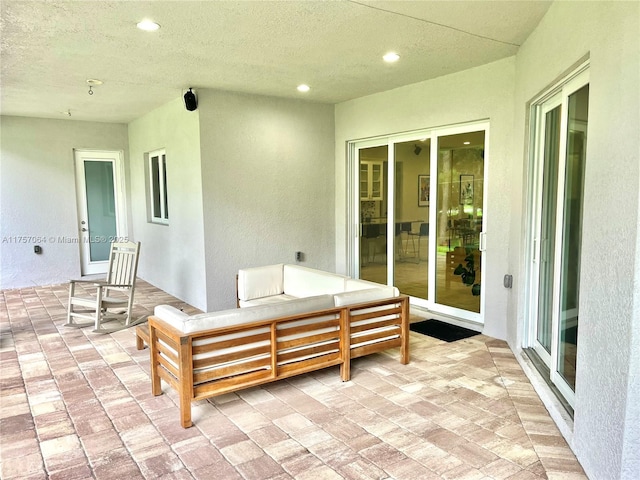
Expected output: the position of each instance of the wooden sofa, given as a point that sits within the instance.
(211, 354)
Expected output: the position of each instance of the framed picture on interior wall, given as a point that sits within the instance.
(466, 189)
(423, 190)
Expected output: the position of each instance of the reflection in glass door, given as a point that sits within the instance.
(559, 154)
(460, 179)
(372, 204)
(411, 219)
(578, 106)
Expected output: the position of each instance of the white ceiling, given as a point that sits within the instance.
(50, 49)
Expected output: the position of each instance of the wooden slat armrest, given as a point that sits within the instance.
(88, 282)
(101, 283)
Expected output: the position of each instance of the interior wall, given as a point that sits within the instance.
(171, 256)
(480, 93)
(267, 171)
(605, 435)
(38, 195)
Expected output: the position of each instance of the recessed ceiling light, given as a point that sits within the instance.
(148, 26)
(391, 57)
(303, 88)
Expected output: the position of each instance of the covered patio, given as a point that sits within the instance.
(78, 405)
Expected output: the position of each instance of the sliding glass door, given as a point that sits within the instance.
(419, 208)
(559, 134)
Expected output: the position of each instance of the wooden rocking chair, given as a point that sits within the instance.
(115, 293)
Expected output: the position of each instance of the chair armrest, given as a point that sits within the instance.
(100, 283)
(94, 282)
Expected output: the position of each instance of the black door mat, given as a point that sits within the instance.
(442, 330)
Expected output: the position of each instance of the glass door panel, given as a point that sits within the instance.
(459, 196)
(101, 207)
(572, 234)
(372, 164)
(411, 219)
(547, 228)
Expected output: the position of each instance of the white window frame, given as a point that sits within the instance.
(161, 217)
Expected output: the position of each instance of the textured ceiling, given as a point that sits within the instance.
(50, 48)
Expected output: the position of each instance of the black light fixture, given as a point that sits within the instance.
(417, 150)
(190, 101)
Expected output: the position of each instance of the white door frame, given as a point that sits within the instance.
(116, 159)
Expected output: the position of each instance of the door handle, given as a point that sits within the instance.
(482, 243)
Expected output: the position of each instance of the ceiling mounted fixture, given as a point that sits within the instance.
(148, 26)
(303, 88)
(467, 143)
(391, 57)
(92, 82)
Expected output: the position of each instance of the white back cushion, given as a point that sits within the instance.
(258, 282)
(306, 282)
(238, 316)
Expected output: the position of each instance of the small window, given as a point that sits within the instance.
(159, 207)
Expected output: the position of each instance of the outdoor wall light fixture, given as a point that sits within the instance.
(417, 149)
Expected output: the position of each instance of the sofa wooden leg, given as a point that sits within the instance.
(156, 387)
(345, 371)
(142, 336)
(185, 414)
(404, 346)
(185, 367)
(345, 345)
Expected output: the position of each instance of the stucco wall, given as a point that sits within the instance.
(267, 172)
(171, 256)
(484, 92)
(38, 195)
(605, 436)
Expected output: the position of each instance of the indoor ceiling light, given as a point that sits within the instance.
(391, 57)
(303, 88)
(148, 26)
